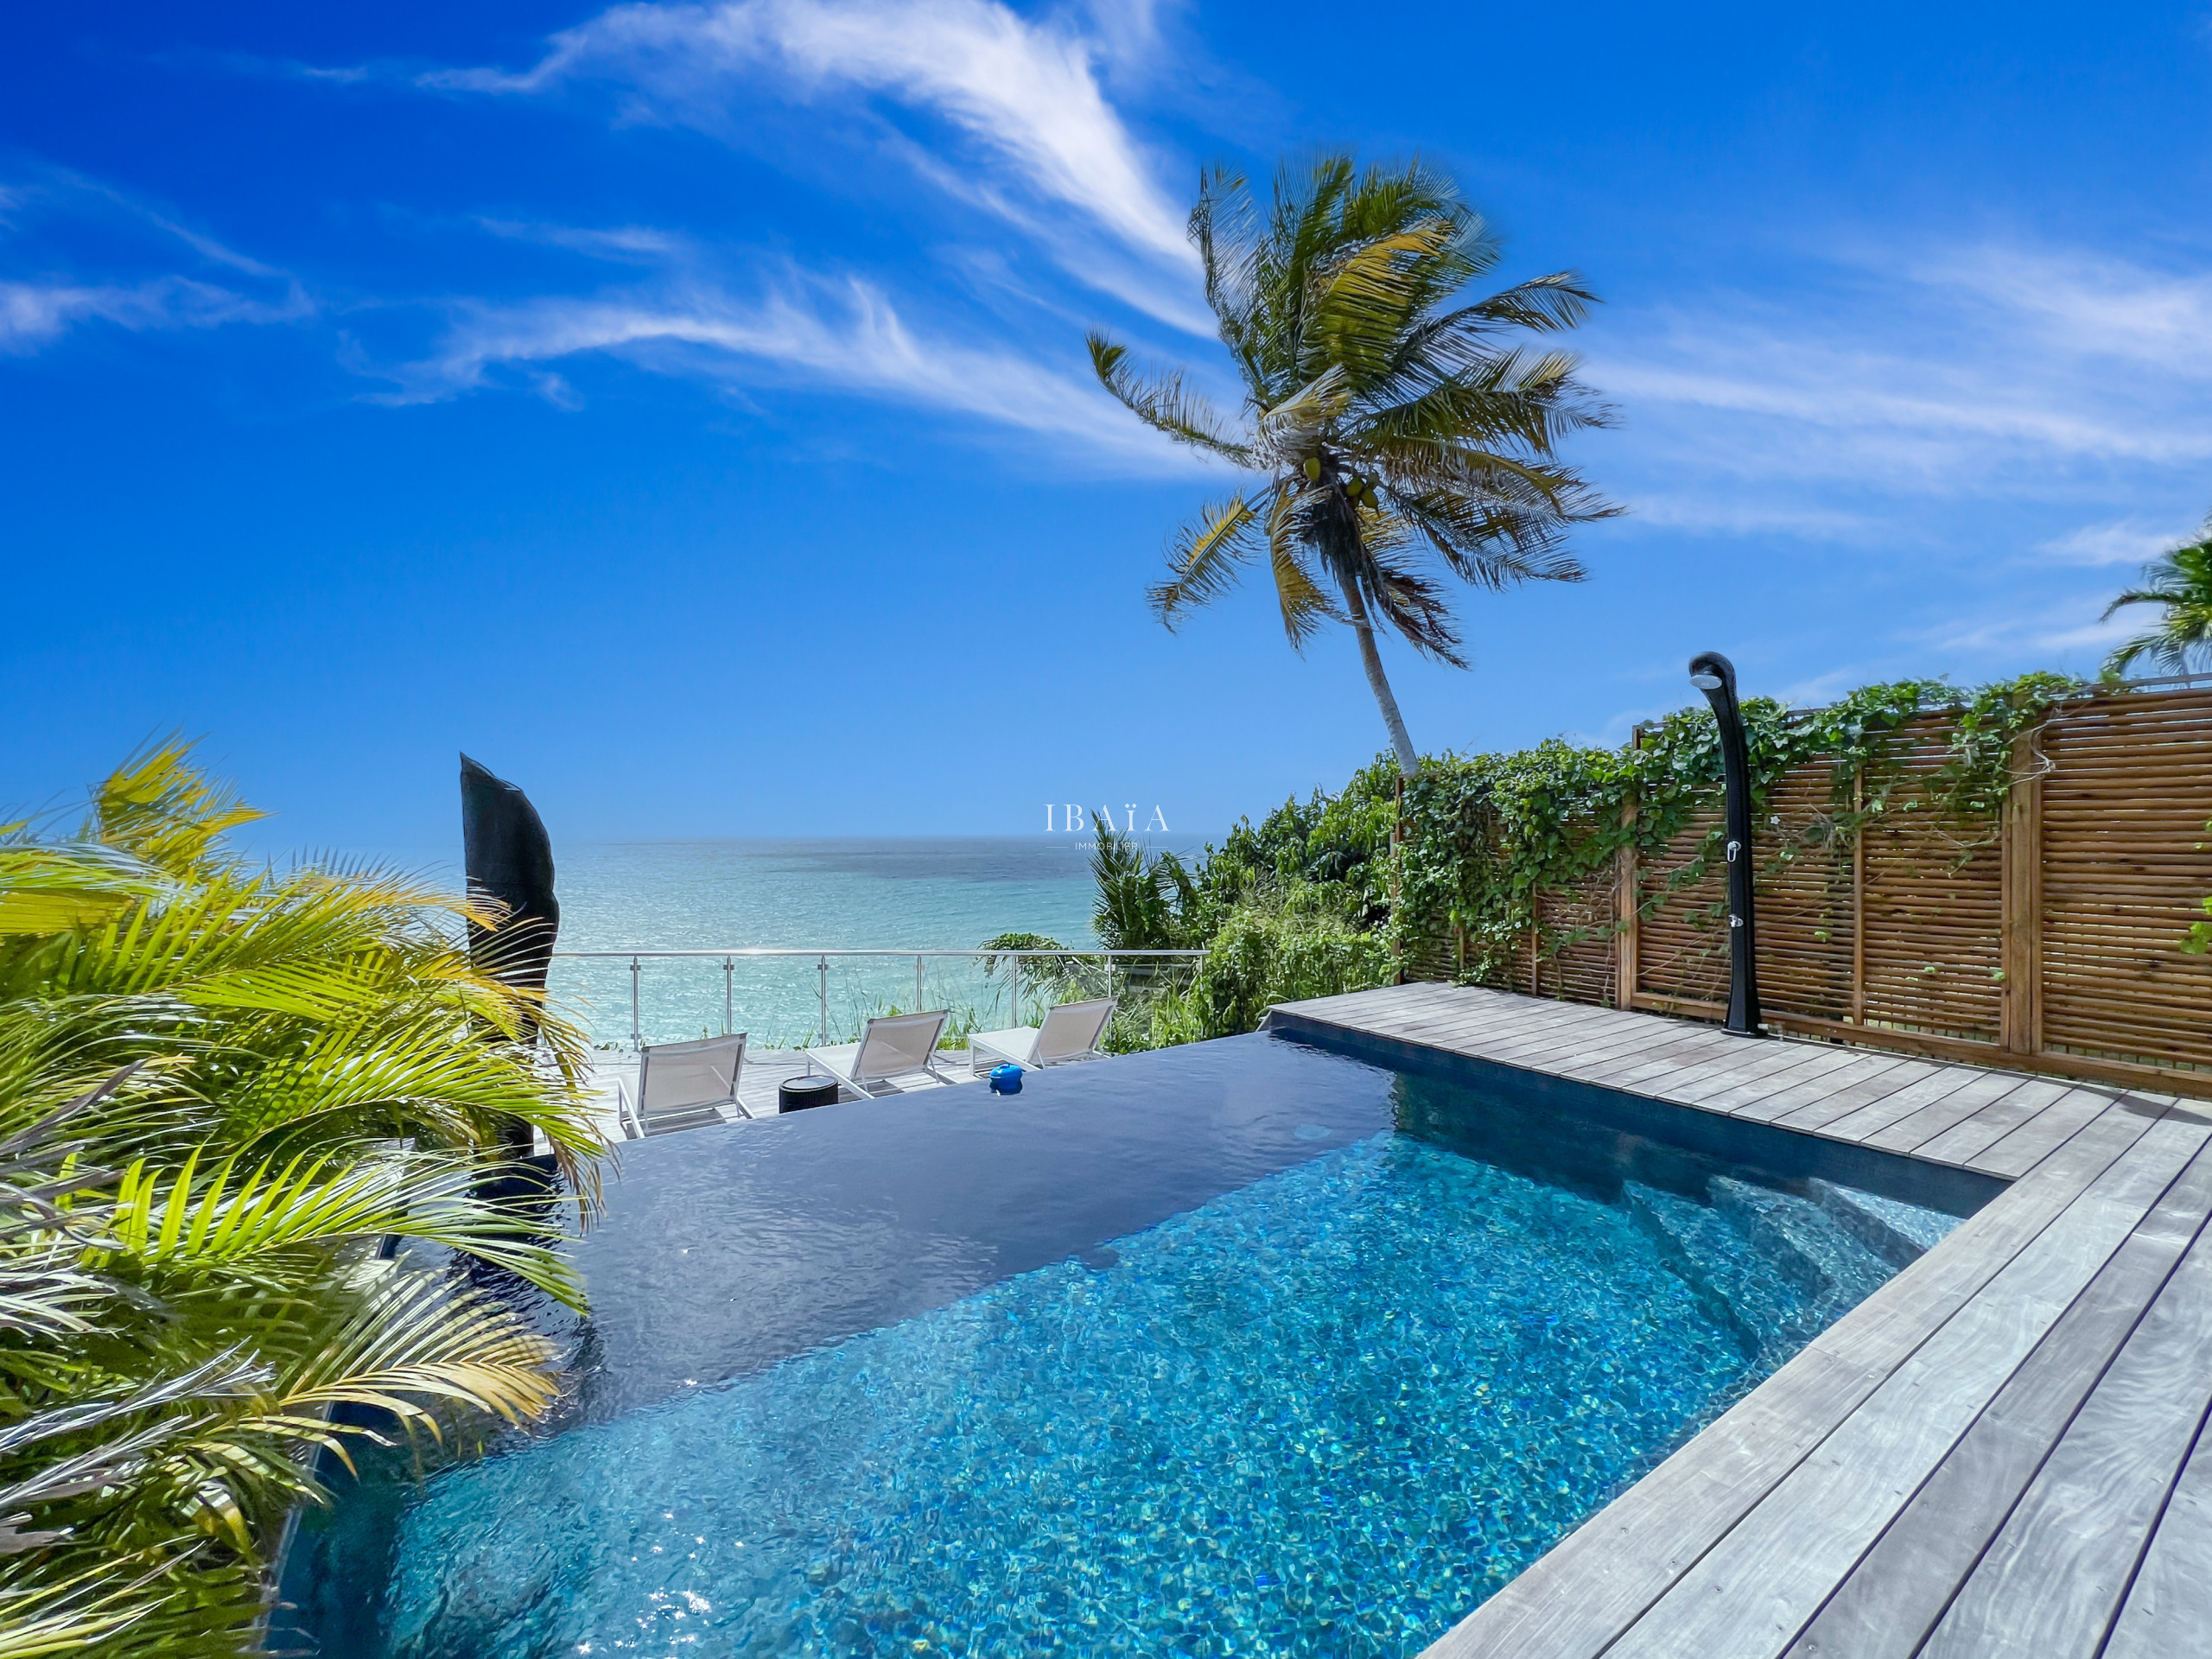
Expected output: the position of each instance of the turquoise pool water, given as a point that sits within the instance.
(1324, 1411)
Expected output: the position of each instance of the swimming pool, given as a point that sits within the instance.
(1248, 1347)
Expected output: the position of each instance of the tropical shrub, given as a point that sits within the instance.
(1282, 946)
(224, 1088)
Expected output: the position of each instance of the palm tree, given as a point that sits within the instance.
(1388, 424)
(221, 1086)
(2182, 582)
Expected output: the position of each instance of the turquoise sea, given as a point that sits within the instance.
(897, 893)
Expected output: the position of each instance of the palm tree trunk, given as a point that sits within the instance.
(1379, 684)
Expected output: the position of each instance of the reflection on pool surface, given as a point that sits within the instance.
(1351, 1350)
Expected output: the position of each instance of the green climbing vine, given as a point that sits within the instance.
(1484, 837)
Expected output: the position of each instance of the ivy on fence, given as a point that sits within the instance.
(1483, 838)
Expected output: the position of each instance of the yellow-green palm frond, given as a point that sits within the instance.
(1490, 542)
(1415, 607)
(1305, 602)
(405, 1069)
(1166, 404)
(1367, 300)
(1503, 403)
(1295, 428)
(159, 807)
(415, 1345)
(232, 1215)
(1204, 558)
(129, 1606)
(57, 887)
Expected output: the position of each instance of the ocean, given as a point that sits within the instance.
(850, 893)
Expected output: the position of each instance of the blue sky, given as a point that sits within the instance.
(684, 409)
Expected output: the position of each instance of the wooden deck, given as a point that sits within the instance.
(2001, 1452)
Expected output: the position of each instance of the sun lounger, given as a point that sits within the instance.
(682, 1086)
(1071, 1032)
(894, 1056)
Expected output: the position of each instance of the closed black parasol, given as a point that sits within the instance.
(509, 859)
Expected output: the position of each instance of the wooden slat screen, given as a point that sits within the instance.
(2124, 867)
(2045, 938)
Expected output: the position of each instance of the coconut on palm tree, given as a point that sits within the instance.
(2180, 640)
(1396, 431)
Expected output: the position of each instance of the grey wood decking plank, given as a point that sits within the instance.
(1573, 1601)
(2020, 1148)
(1878, 1115)
(1695, 1056)
(1820, 1061)
(2051, 1585)
(1580, 1045)
(1531, 1037)
(1595, 1045)
(1485, 1025)
(1506, 1026)
(1820, 1114)
(1466, 1020)
(1909, 1134)
(1824, 1098)
(2168, 1612)
(1965, 1141)
(1900, 1587)
(1385, 1002)
(1757, 1587)
(1412, 1016)
(1381, 996)
(1456, 1031)
(1713, 1090)
(1623, 1071)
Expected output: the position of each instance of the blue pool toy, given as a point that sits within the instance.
(1006, 1079)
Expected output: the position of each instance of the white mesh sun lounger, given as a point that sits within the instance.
(682, 1086)
(1071, 1032)
(894, 1056)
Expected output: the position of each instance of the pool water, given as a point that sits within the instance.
(1414, 1337)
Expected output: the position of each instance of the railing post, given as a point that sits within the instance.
(636, 1038)
(729, 970)
(1013, 990)
(821, 968)
(919, 993)
(2020, 881)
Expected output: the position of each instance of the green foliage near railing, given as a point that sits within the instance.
(1292, 907)
(1281, 944)
(222, 1085)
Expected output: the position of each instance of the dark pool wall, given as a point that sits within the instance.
(1539, 1096)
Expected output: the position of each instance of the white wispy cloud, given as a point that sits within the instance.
(1042, 143)
(2029, 371)
(141, 290)
(2007, 630)
(35, 314)
(801, 330)
(2121, 540)
(626, 243)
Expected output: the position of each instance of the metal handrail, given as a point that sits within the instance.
(728, 956)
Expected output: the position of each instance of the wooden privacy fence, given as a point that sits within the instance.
(2045, 936)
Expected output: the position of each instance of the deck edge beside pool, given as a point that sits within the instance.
(2001, 1452)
